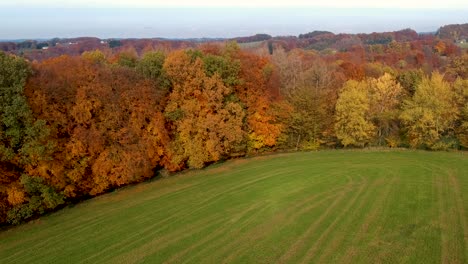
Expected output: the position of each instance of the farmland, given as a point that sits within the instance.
(363, 206)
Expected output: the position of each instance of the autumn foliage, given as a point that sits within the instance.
(76, 126)
(205, 119)
(106, 123)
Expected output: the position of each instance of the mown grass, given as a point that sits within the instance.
(320, 207)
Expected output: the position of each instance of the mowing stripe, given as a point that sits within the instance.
(460, 209)
(374, 212)
(294, 249)
(317, 207)
(312, 251)
(348, 221)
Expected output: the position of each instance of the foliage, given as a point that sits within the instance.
(313, 99)
(95, 56)
(461, 128)
(385, 94)
(313, 34)
(409, 80)
(254, 91)
(106, 122)
(227, 68)
(127, 58)
(81, 124)
(430, 113)
(114, 43)
(207, 127)
(151, 66)
(41, 198)
(23, 138)
(353, 126)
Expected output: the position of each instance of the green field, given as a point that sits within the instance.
(320, 207)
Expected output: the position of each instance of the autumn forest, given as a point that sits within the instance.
(82, 118)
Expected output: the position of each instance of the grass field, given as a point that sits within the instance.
(320, 207)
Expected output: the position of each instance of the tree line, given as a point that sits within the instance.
(73, 127)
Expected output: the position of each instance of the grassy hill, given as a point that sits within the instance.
(320, 207)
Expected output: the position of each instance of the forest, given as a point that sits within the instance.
(80, 121)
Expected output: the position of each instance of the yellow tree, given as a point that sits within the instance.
(461, 129)
(353, 126)
(431, 113)
(385, 95)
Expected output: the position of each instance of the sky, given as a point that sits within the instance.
(240, 3)
(32, 19)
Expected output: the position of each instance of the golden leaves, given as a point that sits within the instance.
(15, 195)
(352, 126)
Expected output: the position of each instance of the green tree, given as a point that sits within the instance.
(41, 197)
(409, 80)
(151, 66)
(22, 138)
(127, 58)
(114, 43)
(228, 69)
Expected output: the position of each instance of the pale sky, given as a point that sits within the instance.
(240, 3)
(31, 19)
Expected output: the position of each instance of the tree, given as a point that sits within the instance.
(409, 80)
(41, 198)
(22, 137)
(291, 67)
(385, 95)
(440, 47)
(461, 127)
(114, 43)
(127, 58)
(458, 67)
(313, 101)
(106, 121)
(430, 114)
(227, 68)
(205, 116)
(353, 126)
(255, 91)
(151, 66)
(95, 56)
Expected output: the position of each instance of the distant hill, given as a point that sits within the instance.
(254, 38)
(39, 49)
(314, 34)
(455, 32)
